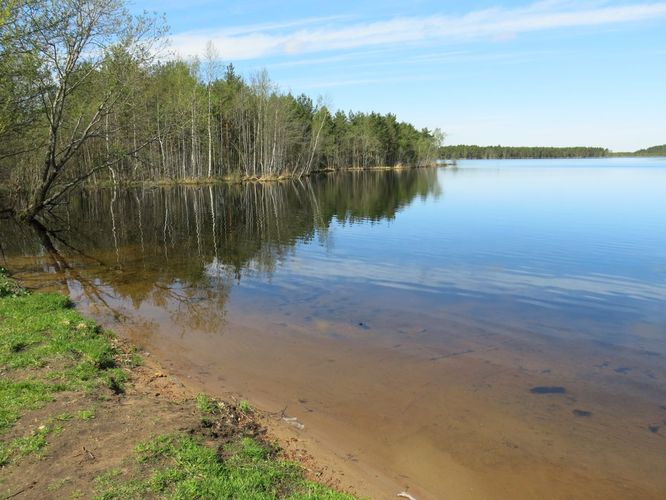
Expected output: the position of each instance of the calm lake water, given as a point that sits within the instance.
(495, 330)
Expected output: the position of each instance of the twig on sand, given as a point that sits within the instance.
(31, 486)
(90, 453)
(277, 414)
(404, 494)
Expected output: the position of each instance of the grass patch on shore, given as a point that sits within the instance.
(46, 348)
(49, 354)
(181, 467)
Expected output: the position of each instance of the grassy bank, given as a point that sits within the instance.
(81, 416)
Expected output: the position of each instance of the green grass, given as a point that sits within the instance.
(58, 483)
(18, 397)
(33, 443)
(46, 347)
(180, 467)
(87, 414)
(205, 404)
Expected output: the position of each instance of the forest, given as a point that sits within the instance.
(89, 94)
(465, 152)
(651, 151)
(473, 152)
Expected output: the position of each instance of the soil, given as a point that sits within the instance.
(154, 403)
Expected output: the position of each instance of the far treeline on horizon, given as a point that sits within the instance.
(473, 152)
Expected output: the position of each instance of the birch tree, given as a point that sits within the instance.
(212, 57)
(72, 40)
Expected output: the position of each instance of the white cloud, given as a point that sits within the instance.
(323, 34)
(326, 84)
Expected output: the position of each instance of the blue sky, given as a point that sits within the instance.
(554, 72)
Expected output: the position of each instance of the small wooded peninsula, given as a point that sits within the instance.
(89, 93)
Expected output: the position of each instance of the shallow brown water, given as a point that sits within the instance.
(428, 334)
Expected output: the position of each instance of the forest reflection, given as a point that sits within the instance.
(181, 248)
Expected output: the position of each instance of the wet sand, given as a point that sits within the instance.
(448, 409)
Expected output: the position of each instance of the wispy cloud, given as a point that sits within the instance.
(326, 84)
(312, 35)
(360, 57)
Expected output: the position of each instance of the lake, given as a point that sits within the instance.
(491, 330)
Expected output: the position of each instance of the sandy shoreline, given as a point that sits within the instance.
(302, 438)
(79, 403)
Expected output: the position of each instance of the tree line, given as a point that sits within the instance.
(472, 152)
(84, 97)
(651, 151)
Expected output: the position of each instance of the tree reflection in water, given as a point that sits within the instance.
(181, 248)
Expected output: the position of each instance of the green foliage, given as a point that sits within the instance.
(32, 443)
(43, 330)
(133, 358)
(17, 397)
(652, 151)
(113, 485)
(205, 404)
(52, 101)
(161, 121)
(245, 407)
(87, 414)
(58, 483)
(180, 467)
(464, 152)
(8, 286)
(115, 379)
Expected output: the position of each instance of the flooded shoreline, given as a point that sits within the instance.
(427, 334)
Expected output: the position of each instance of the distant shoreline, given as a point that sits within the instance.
(475, 152)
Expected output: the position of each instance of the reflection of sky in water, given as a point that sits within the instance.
(534, 244)
(553, 237)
